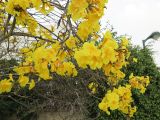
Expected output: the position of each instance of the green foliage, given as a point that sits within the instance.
(149, 103)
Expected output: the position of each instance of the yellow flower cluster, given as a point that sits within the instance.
(90, 55)
(96, 56)
(6, 84)
(93, 87)
(52, 56)
(64, 68)
(107, 55)
(86, 8)
(23, 70)
(14, 7)
(18, 8)
(89, 26)
(77, 9)
(139, 83)
(24, 80)
(119, 59)
(89, 10)
(120, 99)
(46, 8)
(71, 42)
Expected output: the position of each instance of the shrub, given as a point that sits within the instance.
(148, 104)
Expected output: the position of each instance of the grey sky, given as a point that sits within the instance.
(137, 18)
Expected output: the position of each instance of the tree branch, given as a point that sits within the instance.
(30, 35)
(10, 32)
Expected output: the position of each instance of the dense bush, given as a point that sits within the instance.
(149, 103)
(56, 95)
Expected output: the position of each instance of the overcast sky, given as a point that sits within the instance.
(137, 18)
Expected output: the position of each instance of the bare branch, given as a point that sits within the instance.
(30, 35)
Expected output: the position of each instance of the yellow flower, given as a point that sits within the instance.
(107, 69)
(32, 25)
(142, 90)
(135, 60)
(132, 111)
(109, 41)
(103, 106)
(5, 86)
(108, 47)
(89, 26)
(24, 50)
(93, 87)
(95, 9)
(71, 42)
(113, 100)
(119, 98)
(31, 84)
(147, 81)
(90, 55)
(10, 77)
(36, 3)
(131, 76)
(55, 64)
(14, 6)
(108, 55)
(22, 70)
(139, 82)
(77, 9)
(46, 8)
(120, 74)
(23, 80)
(42, 69)
(124, 42)
(66, 68)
